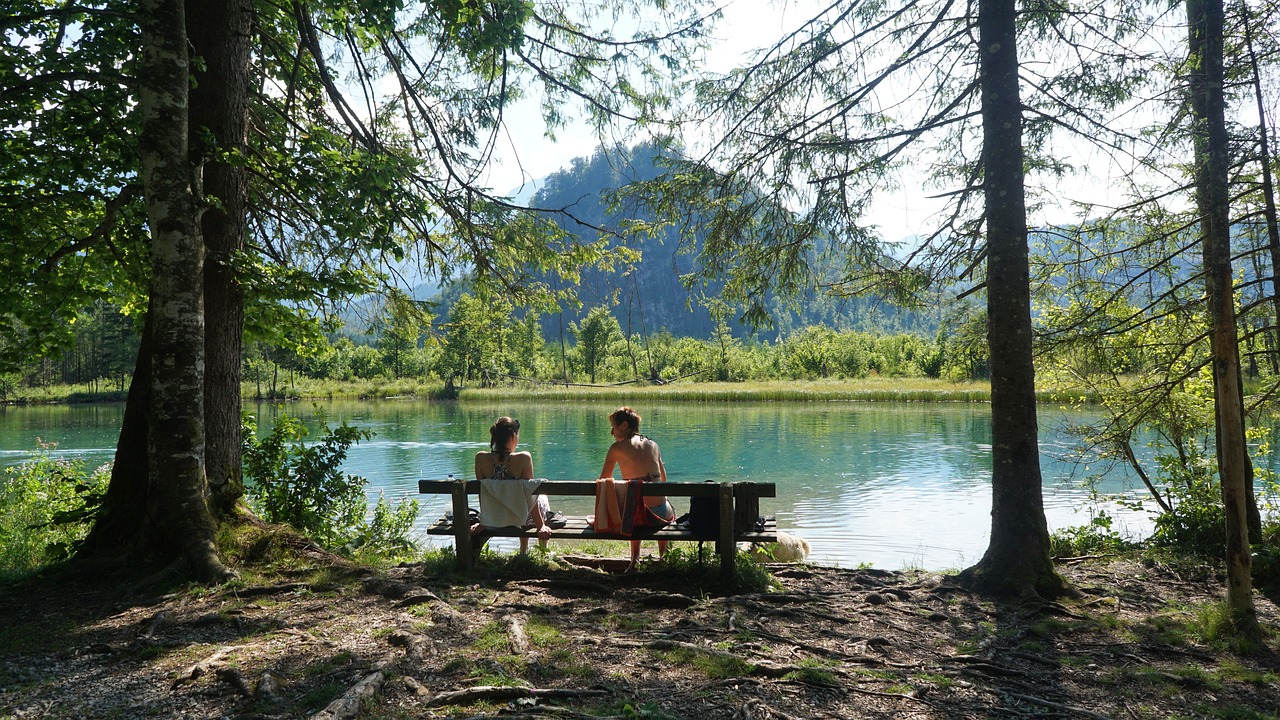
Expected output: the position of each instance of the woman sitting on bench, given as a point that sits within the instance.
(504, 463)
(638, 458)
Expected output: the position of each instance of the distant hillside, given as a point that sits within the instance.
(652, 292)
(361, 314)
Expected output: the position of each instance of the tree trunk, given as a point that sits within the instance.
(1209, 137)
(178, 521)
(1273, 239)
(1017, 559)
(123, 508)
(219, 33)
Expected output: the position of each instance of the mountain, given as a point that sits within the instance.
(651, 297)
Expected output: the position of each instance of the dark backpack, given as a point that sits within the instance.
(704, 517)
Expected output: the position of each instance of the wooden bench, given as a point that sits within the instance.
(739, 504)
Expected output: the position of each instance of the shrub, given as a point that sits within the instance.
(1096, 536)
(700, 565)
(46, 509)
(1194, 523)
(304, 486)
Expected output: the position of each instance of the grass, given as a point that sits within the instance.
(1231, 711)
(869, 389)
(714, 666)
(811, 672)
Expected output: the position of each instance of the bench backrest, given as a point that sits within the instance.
(587, 488)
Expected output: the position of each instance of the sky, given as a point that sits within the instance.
(526, 155)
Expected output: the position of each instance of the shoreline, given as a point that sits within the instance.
(874, 390)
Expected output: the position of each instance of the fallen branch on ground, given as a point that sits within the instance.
(495, 692)
(347, 707)
(1057, 706)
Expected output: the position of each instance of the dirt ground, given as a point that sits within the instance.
(529, 641)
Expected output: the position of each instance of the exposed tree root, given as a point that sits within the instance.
(347, 707)
(213, 662)
(494, 692)
(235, 679)
(515, 633)
(1057, 706)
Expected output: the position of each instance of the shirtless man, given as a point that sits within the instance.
(637, 457)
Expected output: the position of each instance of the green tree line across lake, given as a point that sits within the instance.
(485, 343)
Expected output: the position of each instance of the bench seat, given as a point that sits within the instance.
(577, 528)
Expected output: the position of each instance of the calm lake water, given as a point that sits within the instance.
(892, 485)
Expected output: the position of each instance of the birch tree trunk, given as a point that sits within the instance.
(178, 517)
(1017, 558)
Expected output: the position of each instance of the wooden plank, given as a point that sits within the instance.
(587, 488)
(576, 528)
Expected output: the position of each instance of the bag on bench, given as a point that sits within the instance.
(704, 517)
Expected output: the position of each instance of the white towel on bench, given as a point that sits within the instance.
(506, 501)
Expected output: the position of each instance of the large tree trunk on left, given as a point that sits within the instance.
(178, 521)
(219, 32)
(1211, 176)
(1017, 559)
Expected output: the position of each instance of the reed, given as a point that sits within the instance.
(72, 393)
(328, 389)
(873, 389)
(864, 390)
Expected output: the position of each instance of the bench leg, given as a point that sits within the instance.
(466, 552)
(725, 545)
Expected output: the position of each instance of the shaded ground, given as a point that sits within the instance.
(335, 641)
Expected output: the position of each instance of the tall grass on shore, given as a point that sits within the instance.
(372, 389)
(874, 389)
(74, 393)
(866, 390)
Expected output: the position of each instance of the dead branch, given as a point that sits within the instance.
(895, 696)
(494, 692)
(757, 709)
(347, 707)
(1057, 706)
(413, 643)
(212, 662)
(515, 631)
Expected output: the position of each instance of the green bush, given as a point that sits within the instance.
(1266, 559)
(304, 486)
(46, 509)
(1095, 537)
(699, 564)
(1195, 522)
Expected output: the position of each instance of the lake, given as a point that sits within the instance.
(889, 485)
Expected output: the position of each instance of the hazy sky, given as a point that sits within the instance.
(748, 25)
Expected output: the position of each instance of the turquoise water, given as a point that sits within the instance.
(892, 485)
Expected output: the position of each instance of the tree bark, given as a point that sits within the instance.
(178, 519)
(220, 34)
(1209, 137)
(123, 508)
(1017, 558)
(1273, 239)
